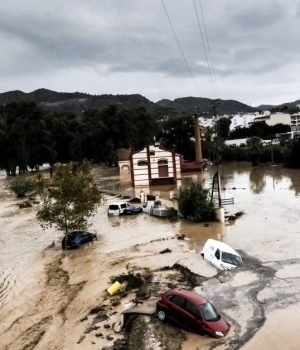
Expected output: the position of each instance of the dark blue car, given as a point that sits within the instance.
(76, 238)
(130, 210)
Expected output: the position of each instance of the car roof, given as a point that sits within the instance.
(188, 294)
(221, 245)
(117, 203)
(78, 232)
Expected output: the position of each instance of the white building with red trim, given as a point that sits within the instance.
(153, 165)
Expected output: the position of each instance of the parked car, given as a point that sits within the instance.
(191, 311)
(156, 208)
(76, 238)
(122, 208)
(221, 255)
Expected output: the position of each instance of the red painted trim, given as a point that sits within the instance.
(132, 173)
(174, 166)
(149, 164)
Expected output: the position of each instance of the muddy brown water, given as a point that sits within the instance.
(269, 231)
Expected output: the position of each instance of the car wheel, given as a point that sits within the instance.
(63, 243)
(162, 315)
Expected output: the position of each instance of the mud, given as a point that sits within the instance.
(49, 307)
(46, 295)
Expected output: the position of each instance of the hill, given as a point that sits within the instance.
(190, 105)
(282, 106)
(78, 102)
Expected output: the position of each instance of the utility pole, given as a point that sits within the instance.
(216, 186)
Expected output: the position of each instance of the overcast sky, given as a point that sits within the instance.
(127, 46)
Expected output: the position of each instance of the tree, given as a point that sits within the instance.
(293, 158)
(70, 198)
(255, 149)
(223, 127)
(194, 205)
(178, 134)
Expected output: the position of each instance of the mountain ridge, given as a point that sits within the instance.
(78, 102)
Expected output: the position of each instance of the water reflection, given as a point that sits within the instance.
(257, 179)
(234, 175)
(295, 182)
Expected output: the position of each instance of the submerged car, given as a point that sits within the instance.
(76, 238)
(191, 311)
(221, 255)
(122, 208)
(156, 208)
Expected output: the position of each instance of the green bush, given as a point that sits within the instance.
(21, 186)
(194, 205)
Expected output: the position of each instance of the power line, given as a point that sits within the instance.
(205, 51)
(209, 50)
(180, 48)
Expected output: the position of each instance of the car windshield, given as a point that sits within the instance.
(231, 259)
(74, 233)
(113, 207)
(209, 312)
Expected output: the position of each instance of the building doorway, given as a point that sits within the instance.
(163, 170)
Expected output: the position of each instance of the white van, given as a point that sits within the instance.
(221, 255)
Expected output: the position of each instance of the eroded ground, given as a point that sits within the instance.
(51, 299)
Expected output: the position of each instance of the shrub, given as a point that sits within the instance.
(194, 205)
(21, 186)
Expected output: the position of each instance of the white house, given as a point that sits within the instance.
(241, 120)
(152, 165)
(206, 122)
(295, 122)
(236, 142)
(273, 119)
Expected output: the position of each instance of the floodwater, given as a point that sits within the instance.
(281, 331)
(45, 292)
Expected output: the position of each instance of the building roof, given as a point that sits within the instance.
(157, 146)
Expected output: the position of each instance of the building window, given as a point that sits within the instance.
(152, 153)
(162, 162)
(142, 163)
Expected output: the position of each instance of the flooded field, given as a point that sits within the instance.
(46, 295)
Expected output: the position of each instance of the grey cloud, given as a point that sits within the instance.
(251, 38)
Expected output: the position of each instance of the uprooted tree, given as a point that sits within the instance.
(69, 199)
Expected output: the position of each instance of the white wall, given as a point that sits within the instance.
(279, 118)
(141, 176)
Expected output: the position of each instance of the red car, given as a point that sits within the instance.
(191, 311)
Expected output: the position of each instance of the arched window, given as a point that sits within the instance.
(125, 166)
(142, 163)
(162, 162)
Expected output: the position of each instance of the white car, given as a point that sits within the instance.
(156, 208)
(221, 255)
